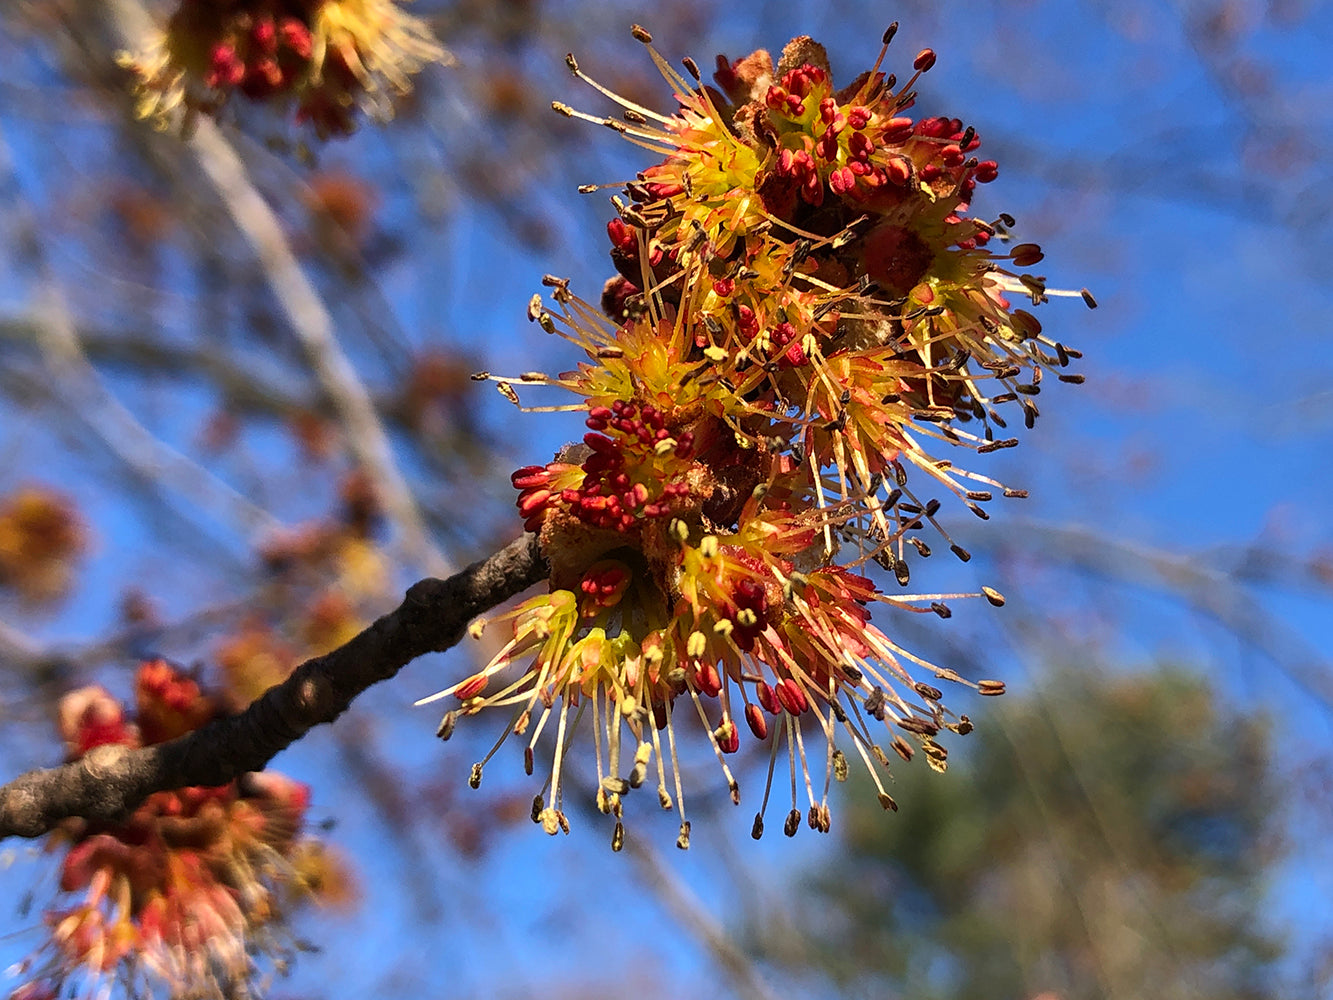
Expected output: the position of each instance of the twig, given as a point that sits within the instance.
(134, 444)
(244, 387)
(110, 780)
(17, 647)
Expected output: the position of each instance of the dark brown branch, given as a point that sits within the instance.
(110, 780)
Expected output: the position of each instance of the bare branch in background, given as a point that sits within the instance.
(1198, 585)
(77, 380)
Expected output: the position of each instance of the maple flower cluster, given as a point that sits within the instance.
(41, 536)
(330, 57)
(804, 320)
(184, 892)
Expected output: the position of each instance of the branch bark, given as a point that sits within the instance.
(111, 780)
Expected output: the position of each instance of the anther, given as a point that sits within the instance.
(793, 823)
(683, 840)
(1026, 255)
(615, 786)
(446, 727)
(874, 704)
(962, 727)
(902, 572)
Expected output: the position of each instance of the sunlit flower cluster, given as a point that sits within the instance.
(331, 58)
(184, 894)
(805, 318)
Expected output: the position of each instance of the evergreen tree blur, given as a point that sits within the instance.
(1106, 837)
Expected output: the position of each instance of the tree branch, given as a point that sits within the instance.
(110, 780)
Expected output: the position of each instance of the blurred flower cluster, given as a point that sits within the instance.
(806, 320)
(185, 892)
(40, 537)
(330, 57)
